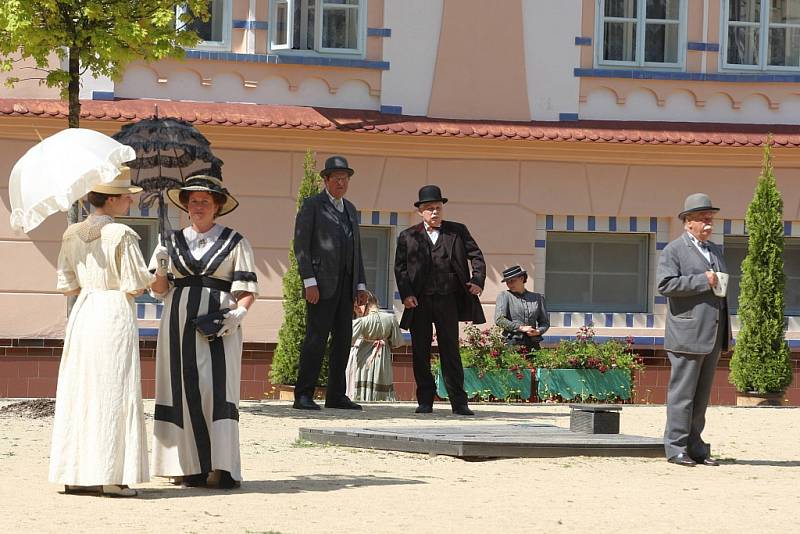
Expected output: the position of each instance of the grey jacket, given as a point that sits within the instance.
(693, 311)
(319, 241)
(512, 311)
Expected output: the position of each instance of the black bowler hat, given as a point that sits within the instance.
(513, 272)
(336, 163)
(430, 193)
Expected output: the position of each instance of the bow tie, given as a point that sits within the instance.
(703, 245)
(432, 229)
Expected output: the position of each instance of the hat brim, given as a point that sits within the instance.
(684, 213)
(114, 190)
(325, 172)
(522, 273)
(419, 203)
(230, 202)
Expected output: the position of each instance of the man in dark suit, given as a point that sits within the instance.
(437, 287)
(697, 329)
(328, 251)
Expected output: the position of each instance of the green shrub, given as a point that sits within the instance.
(760, 361)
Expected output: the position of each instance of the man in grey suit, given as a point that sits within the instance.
(328, 251)
(697, 329)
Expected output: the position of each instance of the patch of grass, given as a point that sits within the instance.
(301, 443)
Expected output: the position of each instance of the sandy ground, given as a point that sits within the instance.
(292, 486)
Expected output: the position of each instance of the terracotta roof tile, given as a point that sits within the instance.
(345, 120)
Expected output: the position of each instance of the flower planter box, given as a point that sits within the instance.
(583, 384)
(500, 384)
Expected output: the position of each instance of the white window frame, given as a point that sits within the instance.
(641, 23)
(152, 224)
(599, 238)
(227, 25)
(763, 41)
(318, 50)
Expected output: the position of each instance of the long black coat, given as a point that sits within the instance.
(412, 266)
(319, 240)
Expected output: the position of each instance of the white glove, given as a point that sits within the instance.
(160, 259)
(232, 320)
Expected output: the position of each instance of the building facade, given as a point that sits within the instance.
(566, 134)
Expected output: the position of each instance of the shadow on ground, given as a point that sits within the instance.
(298, 484)
(378, 412)
(764, 463)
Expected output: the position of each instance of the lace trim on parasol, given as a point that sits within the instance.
(90, 229)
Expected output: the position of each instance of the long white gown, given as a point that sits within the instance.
(196, 428)
(99, 430)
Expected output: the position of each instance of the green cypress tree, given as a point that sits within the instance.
(760, 360)
(290, 336)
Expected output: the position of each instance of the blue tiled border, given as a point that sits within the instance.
(569, 117)
(392, 110)
(288, 59)
(250, 24)
(702, 47)
(693, 76)
(102, 95)
(583, 41)
(379, 32)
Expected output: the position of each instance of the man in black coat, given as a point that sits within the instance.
(328, 251)
(437, 288)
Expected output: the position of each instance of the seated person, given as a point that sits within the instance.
(369, 370)
(519, 312)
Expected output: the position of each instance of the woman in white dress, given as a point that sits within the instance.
(99, 442)
(369, 369)
(205, 268)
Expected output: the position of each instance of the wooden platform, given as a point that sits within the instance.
(508, 440)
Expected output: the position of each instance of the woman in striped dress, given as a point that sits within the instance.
(205, 268)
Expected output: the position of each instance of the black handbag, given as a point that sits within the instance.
(210, 324)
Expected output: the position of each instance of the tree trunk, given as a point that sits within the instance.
(74, 103)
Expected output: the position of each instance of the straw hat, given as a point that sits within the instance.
(208, 184)
(120, 186)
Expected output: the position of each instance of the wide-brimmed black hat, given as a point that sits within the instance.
(430, 193)
(696, 202)
(208, 184)
(513, 272)
(336, 163)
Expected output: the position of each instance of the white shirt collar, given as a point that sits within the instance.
(338, 203)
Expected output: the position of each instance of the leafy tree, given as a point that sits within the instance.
(98, 35)
(290, 336)
(760, 360)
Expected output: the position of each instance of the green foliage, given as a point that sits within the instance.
(487, 350)
(100, 35)
(290, 336)
(584, 352)
(760, 360)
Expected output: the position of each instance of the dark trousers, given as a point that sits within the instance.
(334, 317)
(442, 311)
(690, 381)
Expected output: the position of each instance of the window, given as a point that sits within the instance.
(735, 252)
(147, 228)
(762, 34)
(641, 32)
(216, 31)
(375, 253)
(328, 26)
(595, 272)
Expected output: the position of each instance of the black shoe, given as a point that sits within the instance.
(343, 404)
(462, 410)
(226, 481)
(682, 459)
(424, 408)
(708, 460)
(304, 402)
(196, 481)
